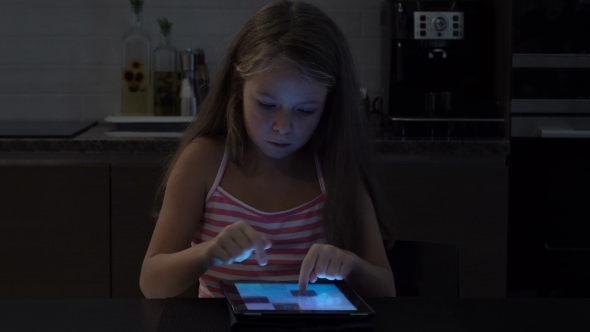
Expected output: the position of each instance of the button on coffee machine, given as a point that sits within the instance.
(439, 69)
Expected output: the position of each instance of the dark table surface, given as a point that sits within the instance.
(393, 314)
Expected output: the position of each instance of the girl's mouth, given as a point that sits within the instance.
(279, 145)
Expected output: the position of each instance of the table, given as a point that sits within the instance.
(393, 314)
(89, 315)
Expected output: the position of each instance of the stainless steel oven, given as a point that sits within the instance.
(549, 161)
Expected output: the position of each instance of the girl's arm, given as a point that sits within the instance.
(368, 272)
(171, 266)
(372, 275)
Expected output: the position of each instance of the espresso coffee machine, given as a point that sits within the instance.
(439, 68)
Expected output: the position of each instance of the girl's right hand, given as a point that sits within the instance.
(235, 243)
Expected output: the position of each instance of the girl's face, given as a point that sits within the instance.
(281, 109)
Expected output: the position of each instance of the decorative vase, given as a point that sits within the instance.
(165, 74)
(136, 67)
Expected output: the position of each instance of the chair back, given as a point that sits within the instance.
(424, 269)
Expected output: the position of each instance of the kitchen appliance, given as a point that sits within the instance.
(549, 161)
(439, 63)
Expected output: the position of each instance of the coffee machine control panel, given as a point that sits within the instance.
(438, 25)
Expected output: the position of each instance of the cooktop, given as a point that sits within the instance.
(43, 129)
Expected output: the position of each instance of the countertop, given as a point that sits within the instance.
(97, 139)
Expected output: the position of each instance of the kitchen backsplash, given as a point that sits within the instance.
(60, 59)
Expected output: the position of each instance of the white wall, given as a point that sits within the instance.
(59, 59)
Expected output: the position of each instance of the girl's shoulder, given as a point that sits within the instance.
(205, 146)
(203, 155)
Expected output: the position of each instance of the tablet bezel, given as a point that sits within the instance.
(363, 309)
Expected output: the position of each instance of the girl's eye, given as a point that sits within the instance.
(307, 111)
(267, 106)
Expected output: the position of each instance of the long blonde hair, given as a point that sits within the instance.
(307, 38)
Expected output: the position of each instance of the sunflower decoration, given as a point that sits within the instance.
(136, 64)
(128, 76)
(134, 75)
(139, 77)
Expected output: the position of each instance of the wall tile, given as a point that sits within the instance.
(214, 47)
(97, 107)
(175, 3)
(39, 107)
(371, 23)
(66, 53)
(37, 4)
(39, 51)
(371, 79)
(100, 51)
(194, 22)
(350, 22)
(65, 22)
(229, 4)
(367, 51)
(55, 80)
(346, 4)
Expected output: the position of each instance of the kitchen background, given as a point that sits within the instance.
(76, 207)
(61, 59)
(511, 204)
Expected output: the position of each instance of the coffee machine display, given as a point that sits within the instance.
(437, 25)
(438, 60)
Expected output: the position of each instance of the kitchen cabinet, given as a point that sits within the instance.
(133, 189)
(54, 230)
(455, 200)
(78, 225)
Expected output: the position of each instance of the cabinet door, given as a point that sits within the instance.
(133, 189)
(54, 231)
(461, 204)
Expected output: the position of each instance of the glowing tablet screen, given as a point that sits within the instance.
(288, 297)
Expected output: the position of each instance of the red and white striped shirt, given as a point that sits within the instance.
(292, 233)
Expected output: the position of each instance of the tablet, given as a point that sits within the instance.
(283, 299)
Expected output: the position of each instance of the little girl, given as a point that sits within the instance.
(273, 180)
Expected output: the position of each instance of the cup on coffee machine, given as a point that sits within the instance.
(437, 104)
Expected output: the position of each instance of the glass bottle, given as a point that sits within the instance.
(165, 86)
(202, 77)
(188, 90)
(136, 67)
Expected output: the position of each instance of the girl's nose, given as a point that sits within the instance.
(282, 123)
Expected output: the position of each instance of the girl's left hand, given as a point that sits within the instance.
(325, 261)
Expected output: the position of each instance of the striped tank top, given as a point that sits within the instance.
(292, 233)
